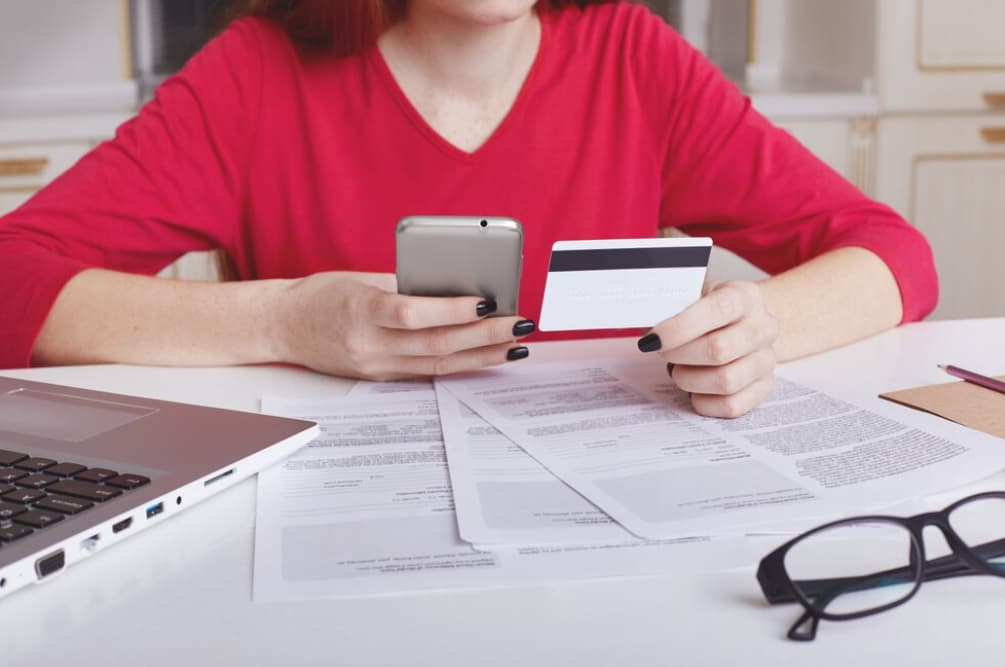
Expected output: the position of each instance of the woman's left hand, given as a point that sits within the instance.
(720, 349)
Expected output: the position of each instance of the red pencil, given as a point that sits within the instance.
(976, 378)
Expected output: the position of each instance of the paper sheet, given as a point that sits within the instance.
(504, 496)
(624, 437)
(367, 509)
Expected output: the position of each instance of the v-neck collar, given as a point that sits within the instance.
(434, 137)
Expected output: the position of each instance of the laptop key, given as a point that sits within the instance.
(128, 481)
(23, 496)
(14, 532)
(65, 469)
(9, 458)
(4, 488)
(84, 490)
(9, 510)
(8, 475)
(38, 518)
(64, 504)
(96, 475)
(36, 481)
(35, 464)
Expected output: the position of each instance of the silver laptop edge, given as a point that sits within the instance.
(204, 472)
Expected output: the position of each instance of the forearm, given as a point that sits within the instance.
(104, 316)
(837, 298)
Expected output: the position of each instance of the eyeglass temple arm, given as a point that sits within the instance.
(953, 566)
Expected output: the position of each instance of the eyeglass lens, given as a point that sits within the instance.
(855, 567)
(980, 523)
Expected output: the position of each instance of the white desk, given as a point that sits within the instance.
(181, 593)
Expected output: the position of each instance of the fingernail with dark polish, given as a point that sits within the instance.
(486, 307)
(650, 343)
(670, 370)
(517, 353)
(524, 328)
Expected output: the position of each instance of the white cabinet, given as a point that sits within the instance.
(30, 166)
(64, 57)
(829, 140)
(935, 147)
(947, 175)
(961, 34)
(941, 55)
(53, 42)
(25, 169)
(959, 207)
(845, 144)
(11, 199)
(941, 140)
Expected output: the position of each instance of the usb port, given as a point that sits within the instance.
(154, 510)
(91, 543)
(118, 527)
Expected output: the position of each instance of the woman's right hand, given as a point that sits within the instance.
(357, 325)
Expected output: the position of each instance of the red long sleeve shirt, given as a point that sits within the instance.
(295, 164)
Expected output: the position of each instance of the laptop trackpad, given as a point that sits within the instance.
(63, 417)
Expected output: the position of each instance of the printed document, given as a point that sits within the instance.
(620, 433)
(504, 496)
(367, 508)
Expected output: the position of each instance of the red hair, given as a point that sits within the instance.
(345, 27)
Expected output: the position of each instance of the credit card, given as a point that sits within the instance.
(622, 284)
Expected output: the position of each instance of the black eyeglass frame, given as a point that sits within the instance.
(778, 587)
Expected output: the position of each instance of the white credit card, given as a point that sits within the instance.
(622, 284)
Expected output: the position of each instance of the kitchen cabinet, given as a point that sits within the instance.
(934, 147)
(26, 168)
(846, 145)
(946, 175)
(940, 158)
(940, 55)
(11, 199)
(64, 57)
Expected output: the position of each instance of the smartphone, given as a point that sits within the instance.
(461, 256)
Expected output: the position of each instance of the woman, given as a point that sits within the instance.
(297, 139)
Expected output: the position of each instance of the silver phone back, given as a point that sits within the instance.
(461, 256)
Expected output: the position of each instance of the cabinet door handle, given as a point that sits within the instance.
(23, 166)
(995, 100)
(993, 135)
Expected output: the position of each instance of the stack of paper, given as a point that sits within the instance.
(577, 470)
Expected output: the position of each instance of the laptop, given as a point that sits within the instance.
(82, 470)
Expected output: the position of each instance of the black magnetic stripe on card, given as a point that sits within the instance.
(613, 259)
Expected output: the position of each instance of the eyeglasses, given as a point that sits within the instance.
(861, 566)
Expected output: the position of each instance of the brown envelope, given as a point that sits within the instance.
(962, 402)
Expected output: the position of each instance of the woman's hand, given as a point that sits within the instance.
(720, 349)
(357, 325)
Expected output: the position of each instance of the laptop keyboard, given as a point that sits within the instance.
(36, 492)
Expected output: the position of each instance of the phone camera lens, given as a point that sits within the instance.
(485, 223)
